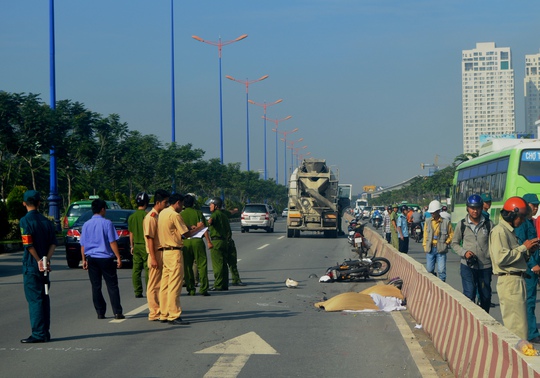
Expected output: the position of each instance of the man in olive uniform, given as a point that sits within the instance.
(194, 249)
(138, 248)
(155, 256)
(509, 260)
(39, 241)
(232, 261)
(393, 226)
(171, 229)
(220, 229)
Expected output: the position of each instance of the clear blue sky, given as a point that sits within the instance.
(373, 86)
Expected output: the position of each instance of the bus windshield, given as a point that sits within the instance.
(529, 165)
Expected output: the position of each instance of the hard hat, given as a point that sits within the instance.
(475, 201)
(434, 206)
(142, 199)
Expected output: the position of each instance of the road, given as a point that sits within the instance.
(263, 329)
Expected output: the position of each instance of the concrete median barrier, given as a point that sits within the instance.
(472, 342)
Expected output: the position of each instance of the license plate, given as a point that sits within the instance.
(358, 241)
(246, 217)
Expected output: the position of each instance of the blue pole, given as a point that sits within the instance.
(173, 100)
(285, 160)
(277, 160)
(54, 199)
(220, 110)
(265, 171)
(247, 127)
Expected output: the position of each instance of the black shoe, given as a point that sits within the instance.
(205, 294)
(238, 284)
(119, 316)
(536, 340)
(100, 316)
(32, 340)
(178, 321)
(163, 321)
(138, 296)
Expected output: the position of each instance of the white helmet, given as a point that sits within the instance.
(434, 206)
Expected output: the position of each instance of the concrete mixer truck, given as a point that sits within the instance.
(313, 200)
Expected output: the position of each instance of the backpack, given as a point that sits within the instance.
(487, 223)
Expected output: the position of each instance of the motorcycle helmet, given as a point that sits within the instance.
(389, 208)
(513, 207)
(142, 199)
(434, 206)
(475, 201)
(217, 202)
(404, 208)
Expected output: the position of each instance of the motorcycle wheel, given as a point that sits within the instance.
(379, 267)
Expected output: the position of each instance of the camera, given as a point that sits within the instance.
(472, 261)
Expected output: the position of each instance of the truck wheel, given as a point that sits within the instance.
(296, 233)
(290, 233)
(242, 230)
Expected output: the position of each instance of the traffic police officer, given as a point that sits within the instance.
(39, 241)
(194, 249)
(220, 229)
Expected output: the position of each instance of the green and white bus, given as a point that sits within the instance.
(505, 168)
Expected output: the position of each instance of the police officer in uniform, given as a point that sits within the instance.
(171, 230)
(194, 249)
(39, 241)
(509, 260)
(155, 255)
(138, 248)
(220, 229)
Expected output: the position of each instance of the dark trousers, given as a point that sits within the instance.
(404, 244)
(39, 305)
(530, 284)
(477, 280)
(388, 237)
(106, 269)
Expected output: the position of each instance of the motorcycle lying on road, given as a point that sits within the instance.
(356, 270)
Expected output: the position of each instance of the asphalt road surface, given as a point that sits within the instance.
(263, 329)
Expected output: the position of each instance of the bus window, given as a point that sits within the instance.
(502, 165)
(492, 168)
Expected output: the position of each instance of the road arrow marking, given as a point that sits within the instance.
(235, 353)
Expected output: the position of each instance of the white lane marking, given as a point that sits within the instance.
(234, 354)
(136, 311)
(281, 237)
(263, 246)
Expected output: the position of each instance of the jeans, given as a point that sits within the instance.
(477, 280)
(440, 258)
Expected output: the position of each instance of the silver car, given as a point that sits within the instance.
(257, 216)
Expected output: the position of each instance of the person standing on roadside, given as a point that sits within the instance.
(486, 197)
(137, 244)
(155, 255)
(403, 230)
(39, 242)
(393, 226)
(471, 243)
(194, 249)
(171, 230)
(220, 229)
(387, 224)
(438, 235)
(509, 260)
(527, 231)
(98, 250)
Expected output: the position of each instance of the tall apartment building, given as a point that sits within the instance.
(487, 94)
(532, 93)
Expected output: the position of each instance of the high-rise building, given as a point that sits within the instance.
(487, 94)
(532, 93)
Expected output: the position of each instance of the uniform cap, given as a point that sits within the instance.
(486, 197)
(531, 198)
(31, 194)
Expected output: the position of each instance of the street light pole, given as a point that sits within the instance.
(220, 45)
(284, 139)
(54, 199)
(277, 121)
(247, 84)
(294, 152)
(173, 101)
(264, 106)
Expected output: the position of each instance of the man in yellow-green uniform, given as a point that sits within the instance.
(194, 248)
(137, 244)
(220, 229)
